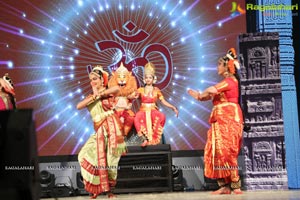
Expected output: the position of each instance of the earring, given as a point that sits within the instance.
(154, 79)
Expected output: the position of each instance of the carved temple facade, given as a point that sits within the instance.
(261, 23)
(263, 149)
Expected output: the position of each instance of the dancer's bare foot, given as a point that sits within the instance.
(222, 190)
(94, 196)
(145, 143)
(111, 195)
(237, 191)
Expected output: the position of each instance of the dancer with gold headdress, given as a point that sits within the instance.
(7, 93)
(100, 155)
(225, 134)
(149, 121)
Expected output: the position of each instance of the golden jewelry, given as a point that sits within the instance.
(149, 69)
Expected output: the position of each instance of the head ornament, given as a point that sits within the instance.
(10, 83)
(98, 71)
(231, 59)
(122, 70)
(150, 70)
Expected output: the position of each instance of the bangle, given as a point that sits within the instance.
(198, 97)
(89, 97)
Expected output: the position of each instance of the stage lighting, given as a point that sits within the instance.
(47, 181)
(63, 187)
(177, 178)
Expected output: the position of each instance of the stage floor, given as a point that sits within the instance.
(247, 195)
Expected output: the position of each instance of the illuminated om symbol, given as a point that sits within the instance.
(140, 36)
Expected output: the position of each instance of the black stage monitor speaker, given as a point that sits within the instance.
(19, 173)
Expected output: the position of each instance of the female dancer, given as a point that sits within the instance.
(225, 134)
(7, 93)
(100, 155)
(149, 121)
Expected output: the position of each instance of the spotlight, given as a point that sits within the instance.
(47, 182)
(177, 178)
(63, 187)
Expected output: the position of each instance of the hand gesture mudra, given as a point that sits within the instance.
(193, 93)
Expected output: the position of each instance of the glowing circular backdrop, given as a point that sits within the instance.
(46, 47)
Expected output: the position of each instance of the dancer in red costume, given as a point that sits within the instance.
(100, 155)
(225, 134)
(7, 93)
(149, 121)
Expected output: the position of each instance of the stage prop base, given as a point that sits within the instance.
(145, 169)
(142, 169)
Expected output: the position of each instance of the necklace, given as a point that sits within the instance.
(148, 90)
(149, 86)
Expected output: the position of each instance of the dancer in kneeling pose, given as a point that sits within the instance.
(149, 121)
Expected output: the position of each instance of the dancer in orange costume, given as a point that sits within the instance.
(149, 121)
(123, 105)
(225, 134)
(100, 155)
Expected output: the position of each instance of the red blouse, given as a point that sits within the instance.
(228, 91)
